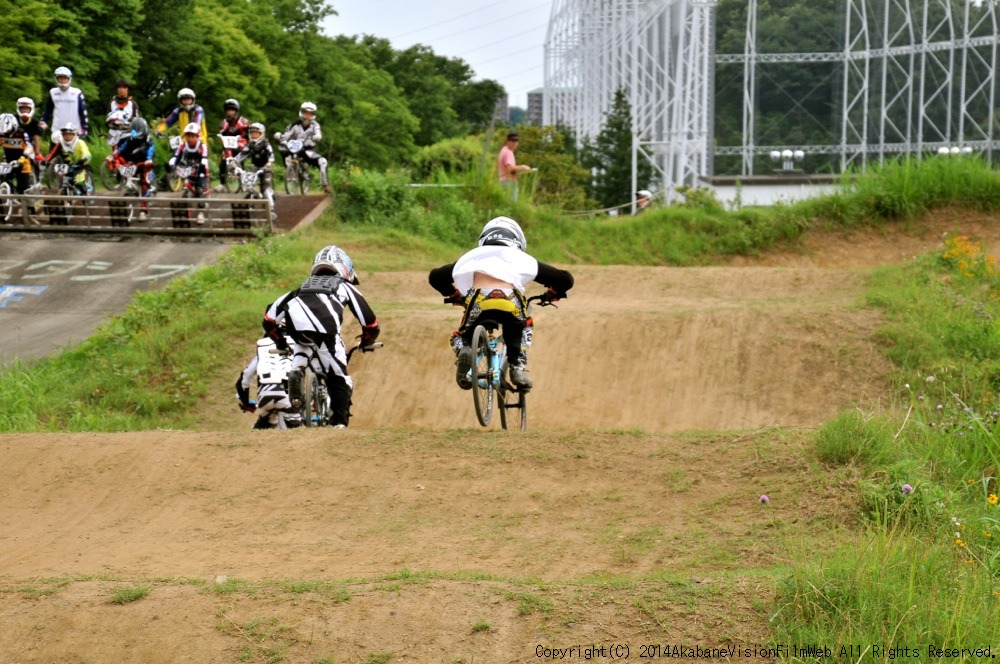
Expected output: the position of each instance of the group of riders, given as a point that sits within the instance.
(65, 112)
(488, 282)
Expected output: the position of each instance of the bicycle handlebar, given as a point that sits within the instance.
(364, 349)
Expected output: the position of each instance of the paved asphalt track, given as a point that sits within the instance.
(55, 291)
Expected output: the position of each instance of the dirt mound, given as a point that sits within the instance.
(415, 536)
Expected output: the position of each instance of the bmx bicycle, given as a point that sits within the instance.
(315, 396)
(491, 386)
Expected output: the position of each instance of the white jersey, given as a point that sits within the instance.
(66, 108)
(498, 261)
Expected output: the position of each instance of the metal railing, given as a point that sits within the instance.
(160, 215)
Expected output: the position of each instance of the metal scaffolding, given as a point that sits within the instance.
(915, 76)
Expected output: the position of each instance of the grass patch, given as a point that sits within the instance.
(924, 569)
(130, 594)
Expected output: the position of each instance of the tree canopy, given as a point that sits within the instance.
(376, 104)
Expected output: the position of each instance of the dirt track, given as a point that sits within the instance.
(604, 525)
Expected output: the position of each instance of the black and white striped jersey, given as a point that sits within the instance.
(316, 309)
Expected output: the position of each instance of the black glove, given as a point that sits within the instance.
(455, 299)
(250, 407)
(552, 295)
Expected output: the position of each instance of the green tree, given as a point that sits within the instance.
(96, 41)
(562, 181)
(365, 117)
(610, 157)
(25, 60)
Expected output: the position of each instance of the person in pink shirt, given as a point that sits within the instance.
(507, 167)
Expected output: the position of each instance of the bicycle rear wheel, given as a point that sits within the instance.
(482, 376)
(309, 398)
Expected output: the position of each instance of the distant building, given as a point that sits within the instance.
(501, 112)
(564, 103)
(536, 99)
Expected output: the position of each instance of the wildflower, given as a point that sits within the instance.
(931, 379)
(939, 406)
(959, 543)
(992, 500)
(920, 398)
(987, 533)
(907, 386)
(764, 499)
(906, 489)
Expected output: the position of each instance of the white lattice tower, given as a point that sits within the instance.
(915, 76)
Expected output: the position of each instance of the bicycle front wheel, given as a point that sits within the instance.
(291, 178)
(482, 376)
(110, 178)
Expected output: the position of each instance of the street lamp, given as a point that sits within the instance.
(788, 158)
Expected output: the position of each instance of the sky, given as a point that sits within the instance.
(501, 40)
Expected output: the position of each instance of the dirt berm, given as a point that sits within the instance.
(415, 536)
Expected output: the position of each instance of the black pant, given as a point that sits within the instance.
(513, 329)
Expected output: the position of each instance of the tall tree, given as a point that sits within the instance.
(25, 60)
(610, 157)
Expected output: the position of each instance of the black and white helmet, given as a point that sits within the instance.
(334, 260)
(8, 123)
(231, 104)
(307, 107)
(259, 141)
(503, 231)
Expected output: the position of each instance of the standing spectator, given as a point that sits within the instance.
(508, 168)
(643, 198)
(65, 105)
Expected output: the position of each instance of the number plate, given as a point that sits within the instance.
(7, 167)
(61, 169)
(127, 170)
(175, 142)
(230, 142)
(185, 171)
(248, 178)
(295, 145)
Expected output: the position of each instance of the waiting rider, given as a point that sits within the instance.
(123, 101)
(65, 105)
(193, 153)
(16, 145)
(75, 153)
(261, 155)
(307, 130)
(272, 403)
(313, 315)
(138, 149)
(233, 124)
(27, 122)
(186, 113)
(489, 282)
(121, 111)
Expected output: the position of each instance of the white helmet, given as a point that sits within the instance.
(192, 128)
(64, 71)
(69, 144)
(29, 102)
(307, 107)
(117, 119)
(259, 141)
(503, 231)
(186, 92)
(334, 259)
(8, 123)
